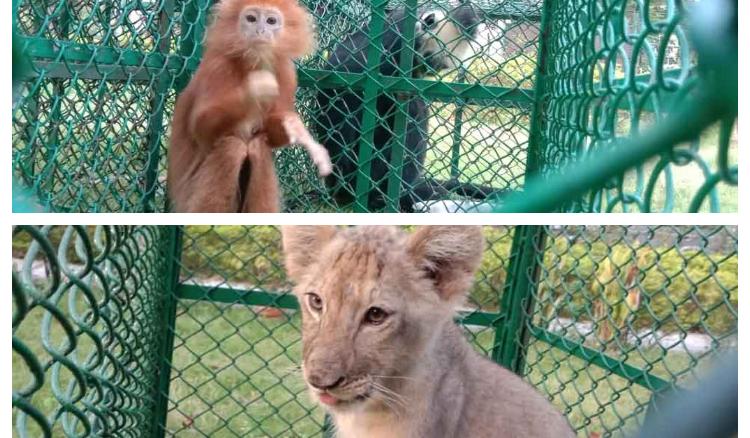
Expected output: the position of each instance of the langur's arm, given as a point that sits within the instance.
(283, 107)
(217, 111)
(221, 102)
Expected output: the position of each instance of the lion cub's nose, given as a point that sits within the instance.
(325, 382)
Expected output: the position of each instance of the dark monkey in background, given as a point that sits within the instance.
(442, 40)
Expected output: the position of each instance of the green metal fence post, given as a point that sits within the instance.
(406, 60)
(156, 110)
(172, 251)
(21, 67)
(511, 333)
(369, 104)
(534, 159)
(192, 30)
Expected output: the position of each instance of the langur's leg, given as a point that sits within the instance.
(215, 186)
(262, 191)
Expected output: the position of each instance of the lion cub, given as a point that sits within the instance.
(380, 348)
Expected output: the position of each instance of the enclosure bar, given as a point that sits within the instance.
(91, 54)
(59, 69)
(591, 356)
(172, 254)
(51, 143)
(141, 64)
(434, 90)
(403, 102)
(513, 17)
(21, 69)
(518, 302)
(458, 123)
(193, 28)
(369, 104)
(156, 109)
(262, 297)
(256, 297)
(534, 161)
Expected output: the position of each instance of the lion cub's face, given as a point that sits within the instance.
(371, 298)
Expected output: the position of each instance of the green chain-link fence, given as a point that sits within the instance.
(544, 84)
(153, 331)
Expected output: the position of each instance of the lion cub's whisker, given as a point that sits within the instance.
(395, 402)
(393, 377)
(390, 393)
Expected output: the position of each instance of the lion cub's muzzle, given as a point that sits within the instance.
(336, 390)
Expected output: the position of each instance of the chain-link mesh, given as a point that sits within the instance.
(414, 122)
(603, 320)
(616, 70)
(87, 330)
(621, 314)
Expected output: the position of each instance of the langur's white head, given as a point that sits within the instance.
(443, 37)
(261, 24)
(262, 27)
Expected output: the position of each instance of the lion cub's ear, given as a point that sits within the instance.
(302, 245)
(450, 255)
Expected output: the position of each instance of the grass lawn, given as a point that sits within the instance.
(234, 374)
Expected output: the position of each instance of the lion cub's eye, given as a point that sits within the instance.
(315, 302)
(375, 316)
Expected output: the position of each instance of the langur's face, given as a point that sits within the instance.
(261, 24)
(444, 37)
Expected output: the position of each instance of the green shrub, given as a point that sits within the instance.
(490, 280)
(685, 289)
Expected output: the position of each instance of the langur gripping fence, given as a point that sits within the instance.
(153, 331)
(544, 84)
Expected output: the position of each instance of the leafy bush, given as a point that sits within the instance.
(685, 289)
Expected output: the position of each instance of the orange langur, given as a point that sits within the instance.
(238, 106)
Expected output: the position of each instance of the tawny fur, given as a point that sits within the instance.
(414, 374)
(239, 102)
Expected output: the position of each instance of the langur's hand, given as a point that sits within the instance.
(297, 133)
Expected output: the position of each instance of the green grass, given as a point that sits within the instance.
(234, 374)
